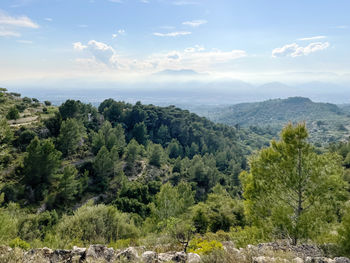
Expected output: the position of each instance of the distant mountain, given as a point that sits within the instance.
(326, 122)
(180, 72)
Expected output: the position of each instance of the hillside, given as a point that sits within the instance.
(326, 122)
(160, 179)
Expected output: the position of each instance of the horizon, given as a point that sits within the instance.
(157, 44)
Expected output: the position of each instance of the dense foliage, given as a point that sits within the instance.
(327, 123)
(123, 174)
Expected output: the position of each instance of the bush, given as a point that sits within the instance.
(8, 226)
(47, 103)
(27, 100)
(21, 107)
(17, 242)
(204, 247)
(248, 235)
(344, 234)
(94, 224)
(13, 114)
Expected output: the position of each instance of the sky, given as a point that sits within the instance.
(127, 41)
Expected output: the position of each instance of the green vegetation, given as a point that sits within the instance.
(292, 189)
(327, 123)
(127, 174)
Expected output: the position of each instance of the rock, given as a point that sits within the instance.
(165, 257)
(318, 260)
(180, 257)
(262, 259)
(193, 258)
(61, 255)
(341, 260)
(228, 245)
(100, 252)
(78, 254)
(297, 260)
(149, 257)
(47, 251)
(130, 254)
(78, 250)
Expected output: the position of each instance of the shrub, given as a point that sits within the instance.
(21, 107)
(96, 224)
(344, 234)
(248, 235)
(205, 247)
(17, 242)
(13, 114)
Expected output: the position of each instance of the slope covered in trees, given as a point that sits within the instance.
(326, 122)
(124, 174)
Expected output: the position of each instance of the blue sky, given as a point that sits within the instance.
(129, 40)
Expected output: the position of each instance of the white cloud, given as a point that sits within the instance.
(79, 46)
(48, 19)
(7, 33)
(100, 51)
(194, 49)
(312, 38)
(116, 1)
(144, 1)
(83, 26)
(294, 50)
(120, 32)
(104, 57)
(172, 34)
(21, 21)
(196, 58)
(195, 23)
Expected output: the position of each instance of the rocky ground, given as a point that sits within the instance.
(262, 253)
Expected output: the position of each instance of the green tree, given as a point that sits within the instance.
(163, 134)
(292, 186)
(174, 149)
(139, 132)
(12, 114)
(103, 166)
(6, 135)
(72, 134)
(173, 201)
(132, 152)
(68, 186)
(167, 203)
(157, 155)
(181, 230)
(70, 109)
(109, 137)
(41, 163)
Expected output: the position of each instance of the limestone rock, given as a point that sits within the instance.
(297, 260)
(100, 252)
(149, 257)
(61, 255)
(341, 260)
(165, 257)
(130, 254)
(193, 258)
(180, 257)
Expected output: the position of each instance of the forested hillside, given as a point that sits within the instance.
(164, 178)
(326, 122)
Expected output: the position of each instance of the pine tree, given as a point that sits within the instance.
(291, 187)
